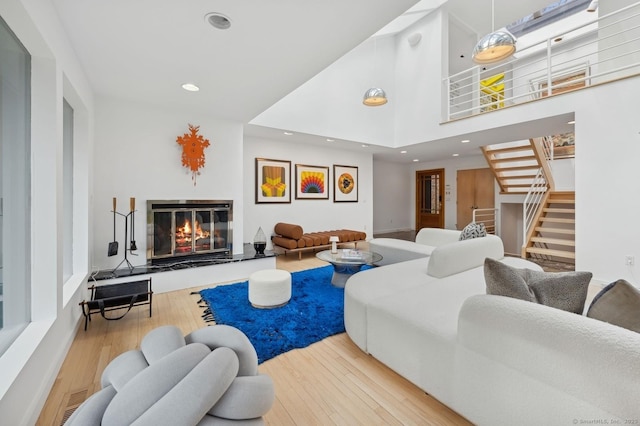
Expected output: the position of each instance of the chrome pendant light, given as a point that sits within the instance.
(374, 96)
(494, 47)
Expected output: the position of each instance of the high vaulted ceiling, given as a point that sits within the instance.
(144, 50)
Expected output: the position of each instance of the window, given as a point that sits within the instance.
(15, 231)
(67, 191)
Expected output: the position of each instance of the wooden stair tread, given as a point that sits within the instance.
(549, 252)
(517, 185)
(557, 241)
(517, 176)
(555, 230)
(557, 219)
(558, 210)
(550, 202)
(513, 192)
(508, 169)
(512, 159)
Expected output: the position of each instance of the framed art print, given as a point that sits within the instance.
(273, 181)
(312, 182)
(345, 184)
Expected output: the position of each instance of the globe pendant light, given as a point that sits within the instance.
(494, 47)
(374, 96)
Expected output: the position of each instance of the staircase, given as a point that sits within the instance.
(523, 168)
(552, 236)
(515, 165)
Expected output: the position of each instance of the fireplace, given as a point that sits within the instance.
(180, 230)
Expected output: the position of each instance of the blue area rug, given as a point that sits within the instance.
(315, 311)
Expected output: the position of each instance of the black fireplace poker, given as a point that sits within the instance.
(132, 246)
(132, 203)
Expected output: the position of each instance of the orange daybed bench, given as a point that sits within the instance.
(290, 238)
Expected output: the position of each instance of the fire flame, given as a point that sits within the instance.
(185, 231)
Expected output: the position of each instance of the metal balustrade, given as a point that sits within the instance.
(602, 50)
(532, 203)
(488, 217)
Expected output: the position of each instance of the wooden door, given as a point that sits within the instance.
(429, 199)
(476, 190)
(466, 198)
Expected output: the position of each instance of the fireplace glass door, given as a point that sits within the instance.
(178, 232)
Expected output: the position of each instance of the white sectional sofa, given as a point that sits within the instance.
(427, 239)
(495, 360)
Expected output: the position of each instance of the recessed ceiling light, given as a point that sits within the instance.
(218, 20)
(288, 133)
(455, 155)
(465, 141)
(571, 122)
(190, 87)
(557, 39)
(330, 140)
(365, 146)
(403, 152)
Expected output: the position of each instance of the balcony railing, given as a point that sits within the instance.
(600, 51)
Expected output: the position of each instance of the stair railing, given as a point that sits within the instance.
(488, 217)
(531, 204)
(599, 50)
(547, 147)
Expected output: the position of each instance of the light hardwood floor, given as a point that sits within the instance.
(329, 382)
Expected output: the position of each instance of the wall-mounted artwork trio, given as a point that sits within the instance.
(274, 183)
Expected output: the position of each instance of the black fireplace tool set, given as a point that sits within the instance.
(113, 245)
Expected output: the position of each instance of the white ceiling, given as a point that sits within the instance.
(144, 50)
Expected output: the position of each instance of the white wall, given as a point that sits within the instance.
(419, 71)
(316, 214)
(136, 155)
(330, 103)
(30, 365)
(406, 73)
(392, 197)
(608, 180)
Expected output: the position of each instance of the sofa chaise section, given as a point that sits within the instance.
(542, 365)
(427, 239)
(495, 360)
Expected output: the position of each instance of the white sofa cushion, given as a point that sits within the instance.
(372, 284)
(557, 358)
(427, 239)
(460, 256)
(436, 236)
(414, 329)
(394, 251)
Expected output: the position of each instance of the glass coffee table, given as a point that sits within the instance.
(347, 262)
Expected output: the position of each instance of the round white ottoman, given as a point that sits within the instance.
(269, 288)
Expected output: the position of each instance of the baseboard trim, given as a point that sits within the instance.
(388, 231)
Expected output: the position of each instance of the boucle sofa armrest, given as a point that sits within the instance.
(437, 236)
(460, 256)
(394, 250)
(589, 359)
